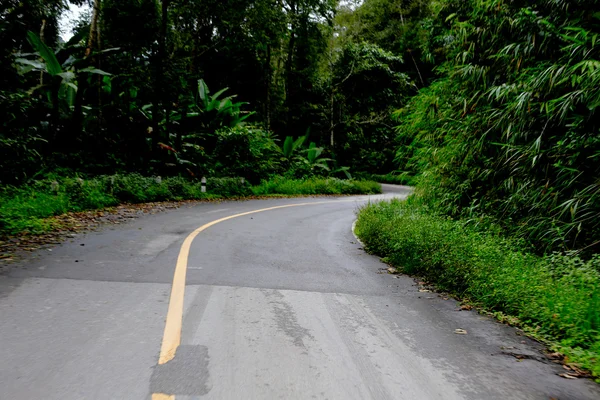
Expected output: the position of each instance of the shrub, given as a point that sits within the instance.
(228, 187)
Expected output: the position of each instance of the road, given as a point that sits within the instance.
(278, 304)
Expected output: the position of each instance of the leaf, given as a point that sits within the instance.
(298, 142)
(52, 65)
(71, 94)
(112, 49)
(345, 170)
(36, 64)
(67, 76)
(93, 70)
(288, 146)
(567, 376)
(78, 37)
(312, 153)
(166, 147)
(203, 92)
(220, 92)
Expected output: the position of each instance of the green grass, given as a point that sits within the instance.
(556, 297)
(280, 185)
(395, 179)
(27, 209)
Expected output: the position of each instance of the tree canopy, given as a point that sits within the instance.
(491, 104)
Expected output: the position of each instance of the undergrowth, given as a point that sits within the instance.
(27, 208)
(401, 179)
(557, 297)
(280, 185)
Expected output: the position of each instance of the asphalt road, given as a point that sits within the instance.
(279, 304)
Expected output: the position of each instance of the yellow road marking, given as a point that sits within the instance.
(162, 396)
(172, 333)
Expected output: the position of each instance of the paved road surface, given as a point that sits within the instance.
(281, 304)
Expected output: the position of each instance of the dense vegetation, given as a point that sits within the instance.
(129, 92)
(503, 139)
(556, 297)
(28, 208)
(489, 107)
(510, 130)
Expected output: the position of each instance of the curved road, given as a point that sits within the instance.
(279, 304)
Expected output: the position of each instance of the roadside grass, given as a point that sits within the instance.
(403, 178)
(281, 185)
(556, 298)
(27, 209)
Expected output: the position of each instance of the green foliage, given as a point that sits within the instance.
(290, 145)
(557, 297)
(246, 151)
(281, 185)
(52, 65)
(403, 178)
(368, 83)
(510, 131)
(26, 208)
(67, 72)
(228, 187)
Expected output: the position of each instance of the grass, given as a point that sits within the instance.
(395, 179)
(26, 209)
(556, 297)
(280, 185)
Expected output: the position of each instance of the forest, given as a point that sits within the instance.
(487, 107)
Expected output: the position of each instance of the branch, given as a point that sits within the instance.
(349, 74)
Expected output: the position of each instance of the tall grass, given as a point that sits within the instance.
(557, 296)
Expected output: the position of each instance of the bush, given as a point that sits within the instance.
(556, 296)
(246, 151)
(228, 187)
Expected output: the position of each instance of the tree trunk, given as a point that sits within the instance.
(331, 125)
(268, 88)
(93, 38)
(160, 78)
(43, 39)
(290, 56)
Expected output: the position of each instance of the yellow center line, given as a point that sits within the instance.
(162, 396)
(172, 333)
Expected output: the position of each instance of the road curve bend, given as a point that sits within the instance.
(275, 304)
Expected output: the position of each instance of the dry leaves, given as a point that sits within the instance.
(67, 225)
(574, 372)
(568, 376)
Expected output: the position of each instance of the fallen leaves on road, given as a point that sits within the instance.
(555, 356)
(66, 227)
(574, 372)
(568, 376)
